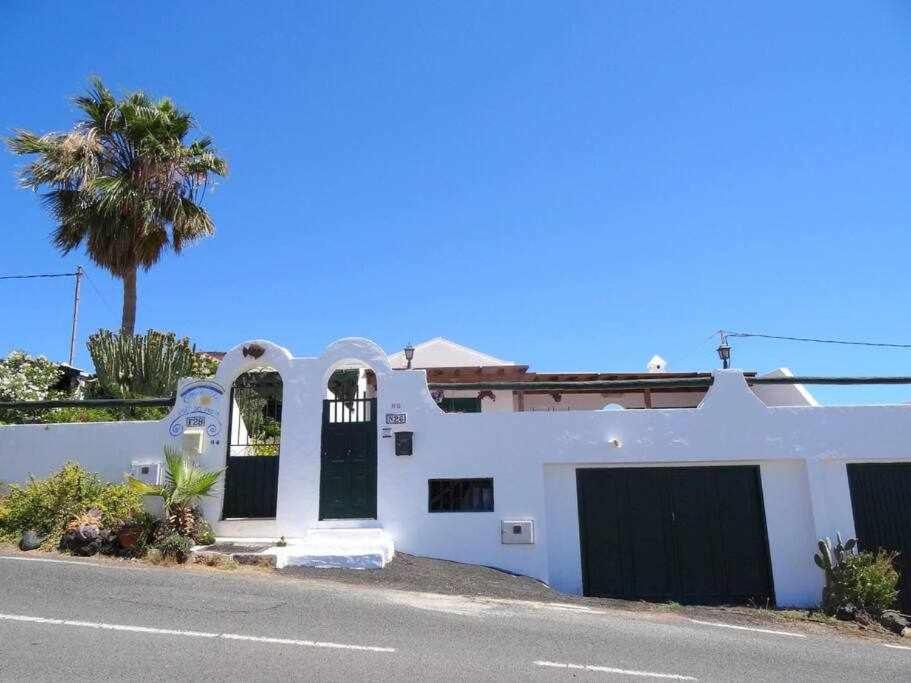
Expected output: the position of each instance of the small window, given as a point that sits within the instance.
(461, 495)
(461, 405)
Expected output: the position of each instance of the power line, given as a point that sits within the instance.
(726, 333)
(32, 277)
(100, 295)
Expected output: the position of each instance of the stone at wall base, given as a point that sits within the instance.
(894, 621)
(31, 540)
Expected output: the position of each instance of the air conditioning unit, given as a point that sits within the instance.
(521, 531)
(147, 472)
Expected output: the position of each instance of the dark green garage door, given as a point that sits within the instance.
(881, 498)
(689, 534)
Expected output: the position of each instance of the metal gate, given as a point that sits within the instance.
(881, 498)
(348, 459)
(690, 534)
(251, 474)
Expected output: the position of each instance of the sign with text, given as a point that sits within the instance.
(396, 418)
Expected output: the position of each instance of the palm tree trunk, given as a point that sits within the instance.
(128, 319)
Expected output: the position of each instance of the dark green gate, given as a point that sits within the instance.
(881, 498)
(689, 534)
(347, 488)
(251, 466)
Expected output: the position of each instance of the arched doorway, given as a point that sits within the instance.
(348, 460)
(254, 444)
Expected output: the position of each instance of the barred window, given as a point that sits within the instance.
(461, 495)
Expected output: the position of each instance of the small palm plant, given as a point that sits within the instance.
(185, 485)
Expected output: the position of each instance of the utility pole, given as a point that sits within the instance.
(78, 274)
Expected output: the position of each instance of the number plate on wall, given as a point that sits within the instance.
(396, 418)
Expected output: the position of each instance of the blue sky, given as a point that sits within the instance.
(568, 185)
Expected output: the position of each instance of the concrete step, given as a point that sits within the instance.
(337, 548)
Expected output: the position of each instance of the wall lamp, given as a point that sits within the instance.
(724, 352)
(409, 354)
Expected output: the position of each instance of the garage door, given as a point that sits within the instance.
(689, 534)
(881, 497)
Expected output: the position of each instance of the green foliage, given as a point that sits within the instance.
(866, 580)
(203, 534)
(131, 366)
(343, 384)
(125, 182)
(83, 414)
(175, 547)
(47, 505)
(204, 366)
(185, 485)
(26, 378)
(252, 392)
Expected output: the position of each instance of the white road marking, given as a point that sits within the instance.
(897, 647)
(306, 643)
(612, 670)
(190, 634)
(749, 628)
(45, 559)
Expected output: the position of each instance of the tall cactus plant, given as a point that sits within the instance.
(131, 366)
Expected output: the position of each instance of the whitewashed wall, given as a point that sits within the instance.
(532, 457)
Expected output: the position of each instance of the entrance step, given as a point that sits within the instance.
(337, 548)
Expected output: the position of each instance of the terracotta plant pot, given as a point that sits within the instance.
(128, 537)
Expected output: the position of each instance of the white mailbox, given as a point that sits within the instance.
(517, 531)
(148, 472)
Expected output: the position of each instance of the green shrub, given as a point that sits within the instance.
(82, 414)
(46, 505)
(203, 365)
(68, 415)
(866, 580)
(175, 547)
(203, 533)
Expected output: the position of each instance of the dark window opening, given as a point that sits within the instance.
(461, 495)
(461, 405)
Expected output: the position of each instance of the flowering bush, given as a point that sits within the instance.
(26, 378)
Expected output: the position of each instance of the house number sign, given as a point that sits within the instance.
(396, 418)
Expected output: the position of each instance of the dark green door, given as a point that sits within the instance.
(881, 498)
(348, 463)
(690, 534)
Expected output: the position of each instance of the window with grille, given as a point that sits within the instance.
(461, 495)
(460, 405)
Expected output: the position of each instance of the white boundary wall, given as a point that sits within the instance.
(532, 456)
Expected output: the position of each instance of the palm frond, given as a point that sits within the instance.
(124, 182)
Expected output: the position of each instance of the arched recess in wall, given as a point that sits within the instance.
(350, 387)
(254, 445)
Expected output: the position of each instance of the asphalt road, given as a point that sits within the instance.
(78, 620)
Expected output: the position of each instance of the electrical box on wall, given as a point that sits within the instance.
(521, 531)
(148, 472)
(404, 443)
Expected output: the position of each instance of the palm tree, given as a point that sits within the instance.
(124, 183)
(185, 485)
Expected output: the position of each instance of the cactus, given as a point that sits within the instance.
(130, 366)
(829, 557)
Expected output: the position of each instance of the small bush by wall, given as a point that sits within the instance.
(856, 582)
(867, 581)
(47, 505)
